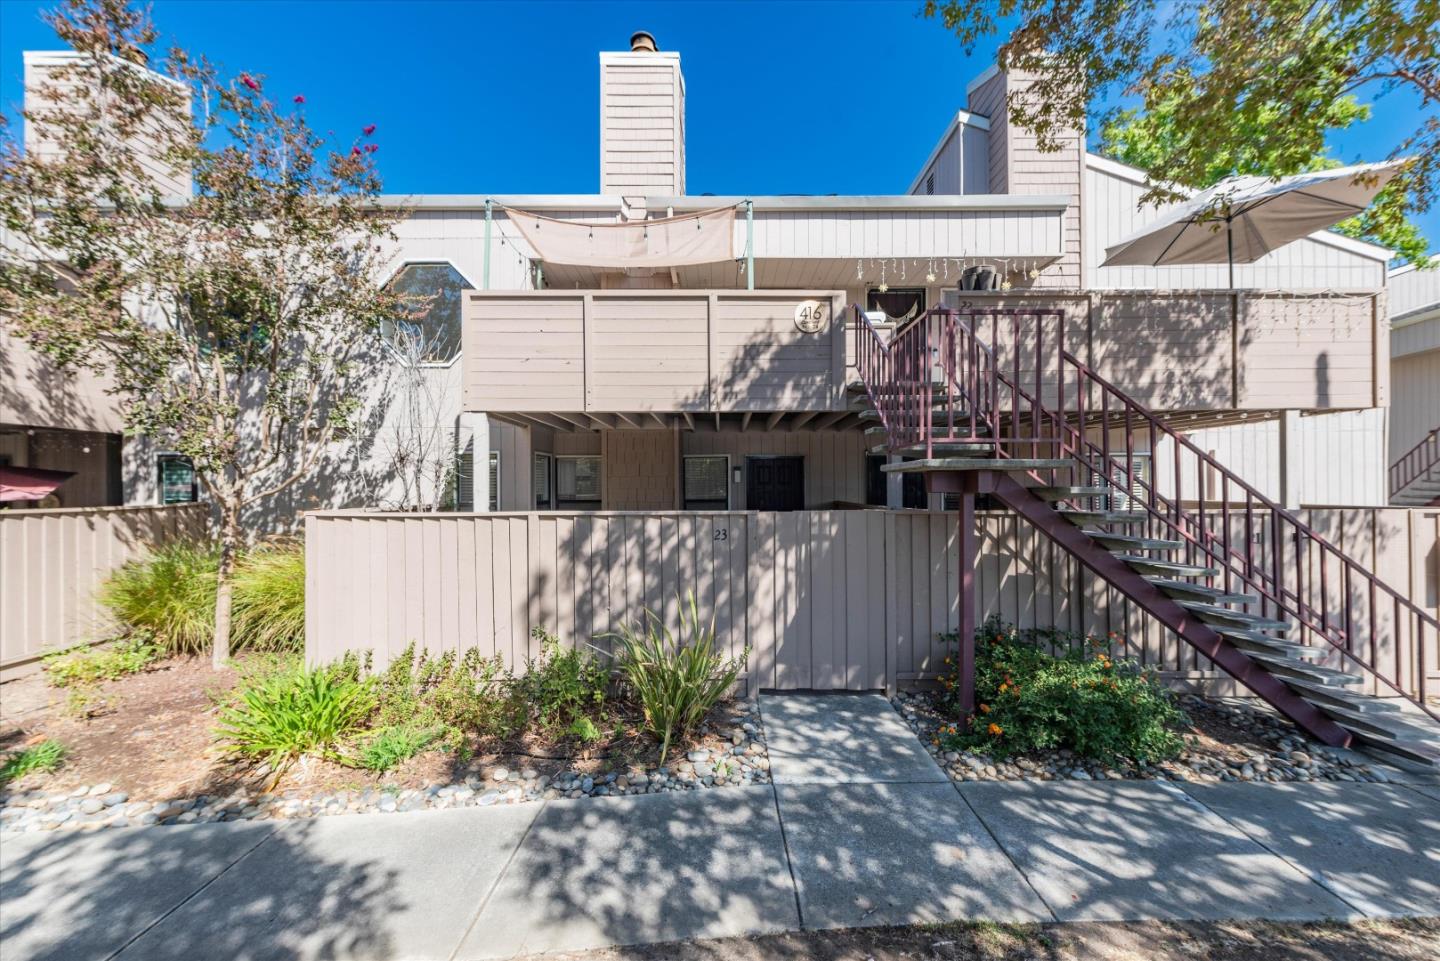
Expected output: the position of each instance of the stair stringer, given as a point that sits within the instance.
(1044, 518)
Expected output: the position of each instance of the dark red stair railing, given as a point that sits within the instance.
(1063, 409)
(1421, 462)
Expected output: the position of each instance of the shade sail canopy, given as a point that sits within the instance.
(1241, 219)
(30, 483)
(705, 237)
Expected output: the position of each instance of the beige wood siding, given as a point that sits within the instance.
(524, 353)
(823, 599)
(1310, 357)
(1167, 352)
(642, 124)
(630, 351)
(35, 393)
(52, 561)
(1415, 409)
(639, 469)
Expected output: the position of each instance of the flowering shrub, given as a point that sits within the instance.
(1028, 699)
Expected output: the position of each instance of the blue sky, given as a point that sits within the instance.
(823, 97)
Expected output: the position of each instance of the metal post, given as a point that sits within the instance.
(749, 245)
(485, 281)
(1230, 249)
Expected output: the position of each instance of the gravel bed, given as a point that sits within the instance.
(97, 806)
(1268, 748)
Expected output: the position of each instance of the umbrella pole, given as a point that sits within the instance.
(1230, 249)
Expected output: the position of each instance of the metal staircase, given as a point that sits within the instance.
(990, 401)
(1415, 476)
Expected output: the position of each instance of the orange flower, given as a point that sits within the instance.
(1004, 688)
(996, 730)
(984, 708)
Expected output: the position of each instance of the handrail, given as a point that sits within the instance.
(1416, 463)
(1245, 534)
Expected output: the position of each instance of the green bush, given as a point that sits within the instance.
(389, 746)
(1083, 699)
(279, 717)
(268, 598)
(676, 682)
(85, 666)
(45, 756)
(465, 695)
(562, 688)
(170, 595)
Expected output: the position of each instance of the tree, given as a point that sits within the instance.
(1144, 140)
(232, 319)
(1234, 79)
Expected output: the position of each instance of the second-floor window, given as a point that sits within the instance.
(431, 334)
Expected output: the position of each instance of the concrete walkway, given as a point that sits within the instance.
(860, 828)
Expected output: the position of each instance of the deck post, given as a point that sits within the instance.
(969, 552)
(485, 276)
(749, 245)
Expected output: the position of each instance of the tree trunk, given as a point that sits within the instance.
(229, 547)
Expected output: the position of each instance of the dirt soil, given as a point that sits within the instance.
(151, 735)
(1401, 940)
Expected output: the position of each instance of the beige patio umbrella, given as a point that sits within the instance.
(1241, 219)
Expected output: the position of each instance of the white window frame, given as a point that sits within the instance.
(729, 496)
(429, 262)
(494, 467)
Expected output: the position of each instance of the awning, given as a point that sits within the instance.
(706, 237)
(30, 483)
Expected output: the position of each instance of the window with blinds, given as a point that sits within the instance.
(577, 480)
(465, 479)
(707, 482)
(1135, 487)
(540, 482)
(494, 480)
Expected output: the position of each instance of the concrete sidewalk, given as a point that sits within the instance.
(859, 844)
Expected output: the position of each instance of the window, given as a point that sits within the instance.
(430, 334)
(1140, 473)
(899, 304)
(540, 482)
(177, 479)
(577, 481)
(707, 483)
(464, 483)
(494, 480)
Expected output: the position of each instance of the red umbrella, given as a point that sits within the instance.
(30, 483)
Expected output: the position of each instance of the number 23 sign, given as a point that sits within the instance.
(811, 315)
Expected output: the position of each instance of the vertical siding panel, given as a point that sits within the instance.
(762, 614)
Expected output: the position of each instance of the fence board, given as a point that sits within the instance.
(52, 562)
(849, 600)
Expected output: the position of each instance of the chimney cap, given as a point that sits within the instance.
(642, 41)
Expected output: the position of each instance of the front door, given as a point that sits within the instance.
(774, 483)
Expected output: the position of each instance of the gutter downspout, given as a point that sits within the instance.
(749, 245)
(485, 281)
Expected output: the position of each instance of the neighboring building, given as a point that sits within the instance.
(690, 384)
(1414, 454)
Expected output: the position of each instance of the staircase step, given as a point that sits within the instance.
(1201, 592)
(880, 430)
(1322, 696)
(1063, 493)
(1370, 725)
(938, 416)
(943, 448)
(1415, 753)
(1216, 613)
(1151, 565)
(1286, 668)
(1255, 641)
(1129, 542)
(935, 464)
(1081, 518)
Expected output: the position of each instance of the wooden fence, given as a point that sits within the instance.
(824, 599)
(51, 561)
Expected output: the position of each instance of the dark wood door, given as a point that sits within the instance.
(775, 483)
